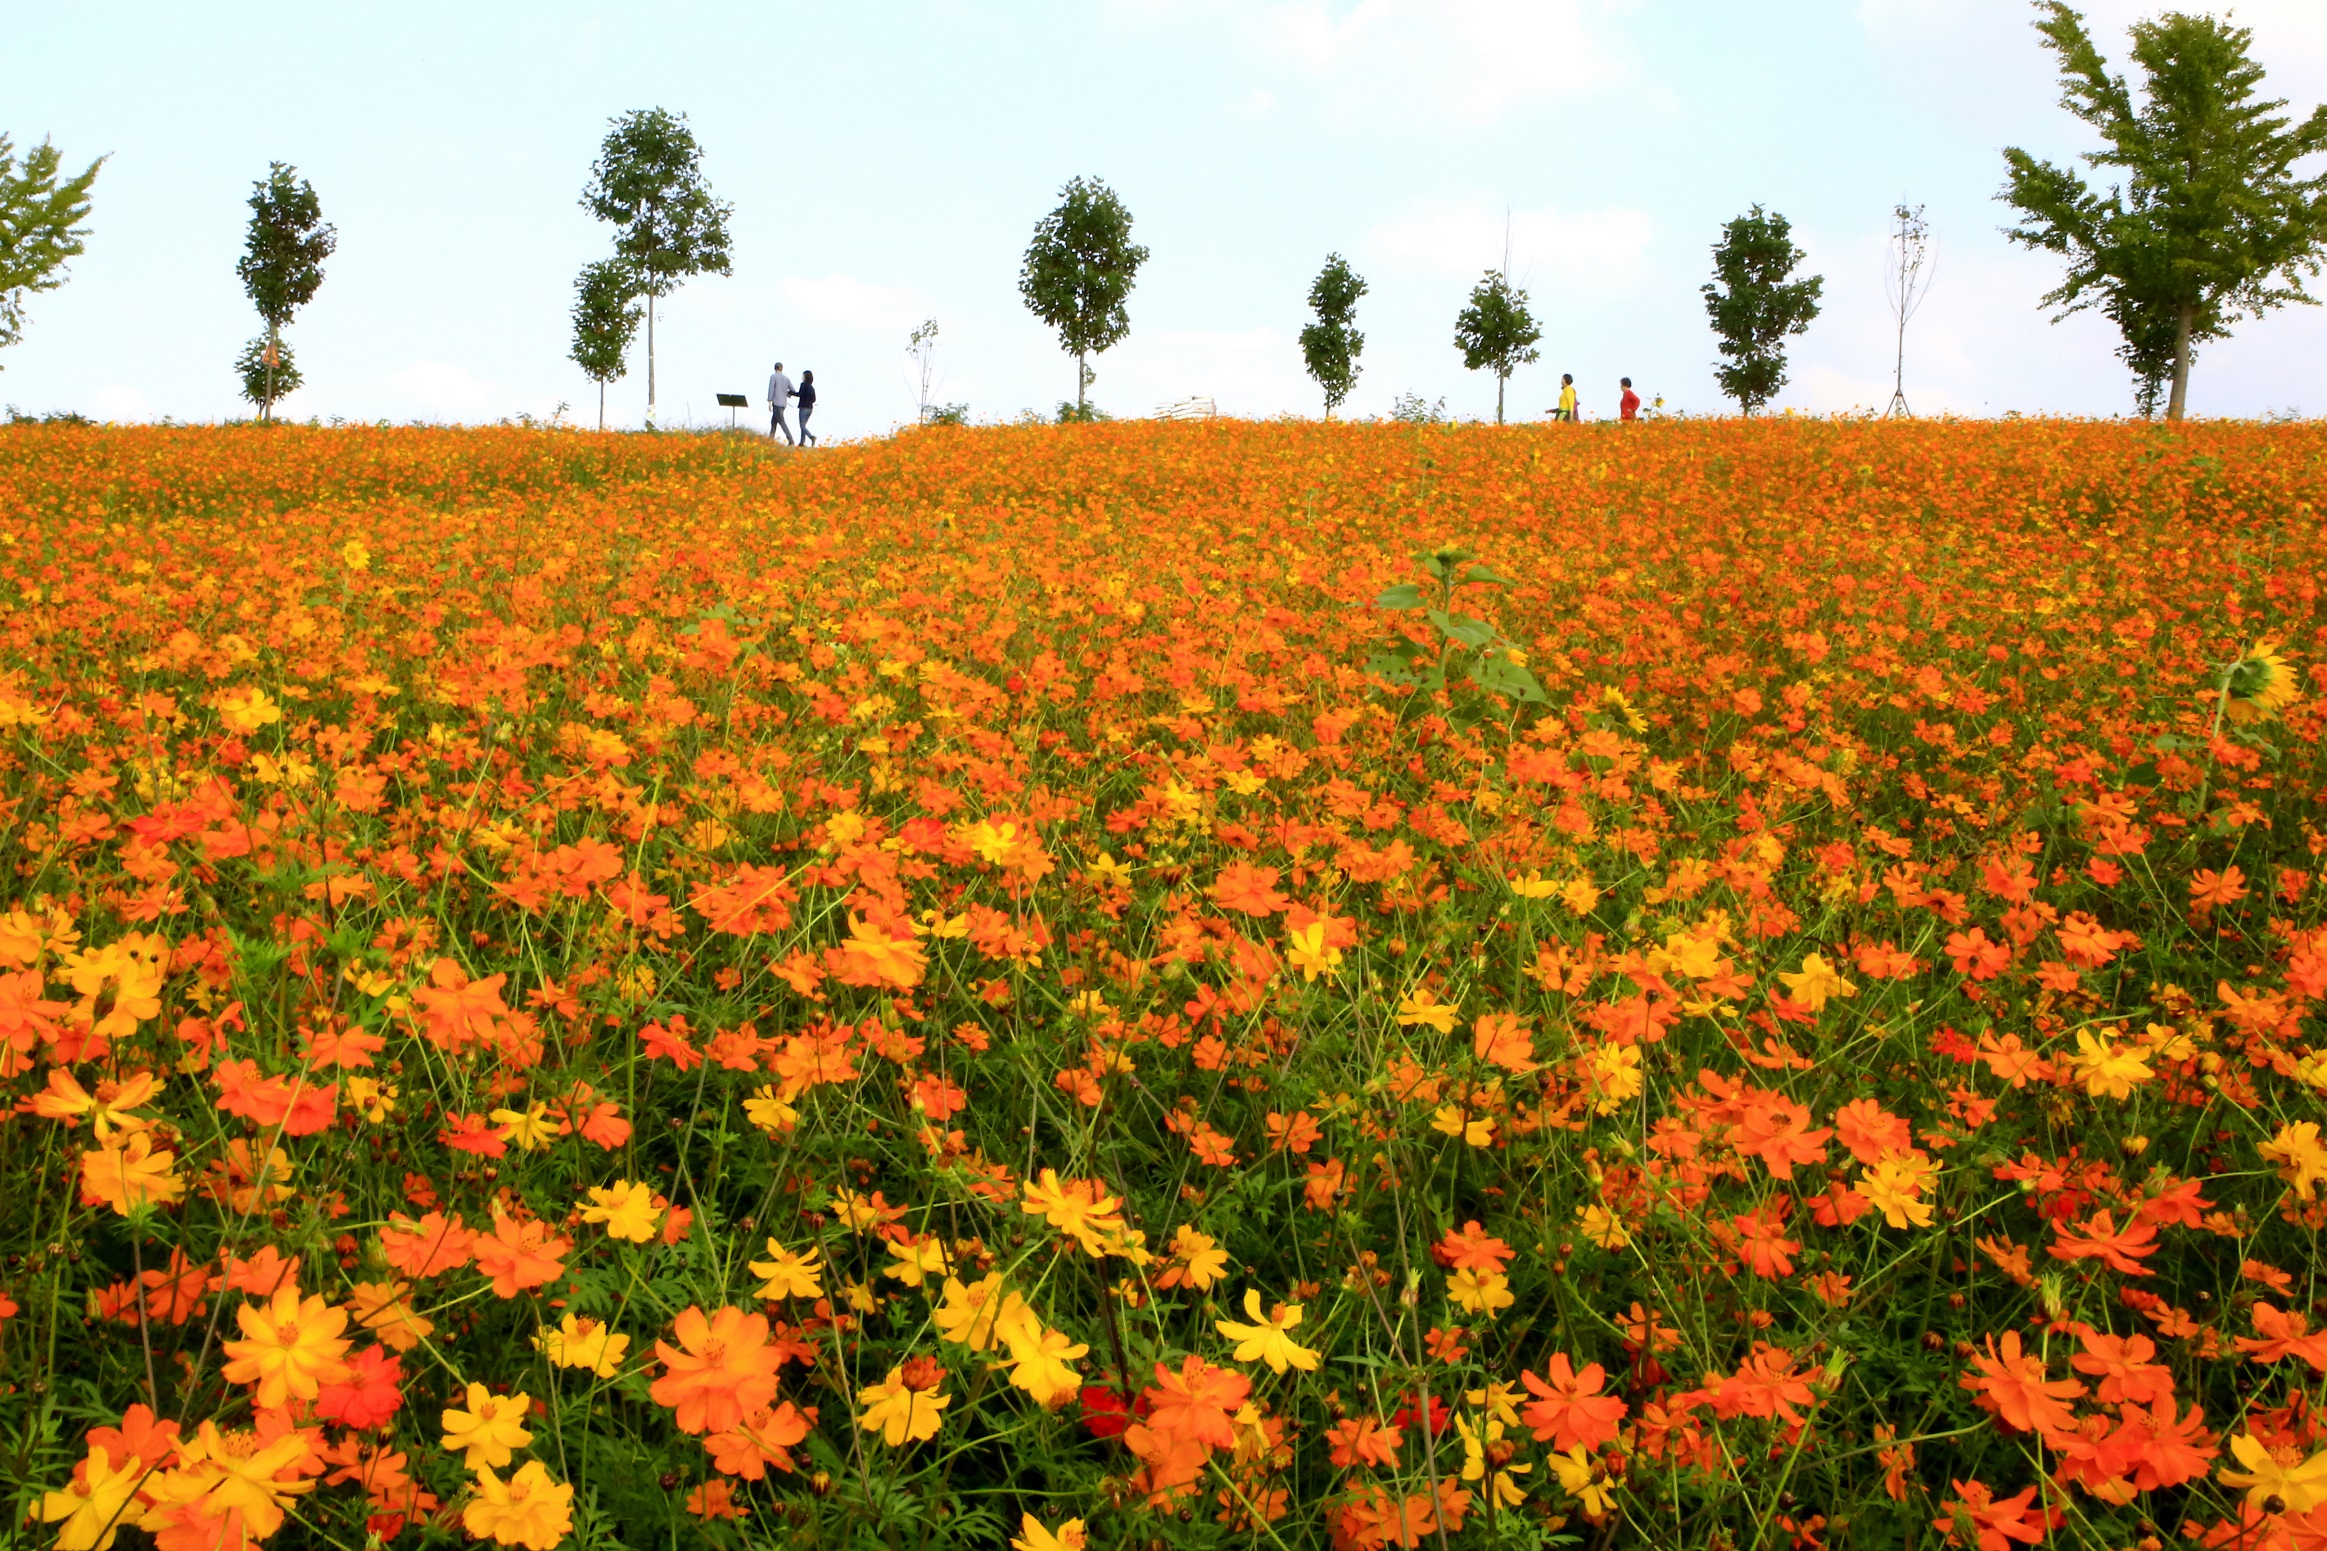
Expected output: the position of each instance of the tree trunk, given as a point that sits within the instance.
(1079, 376)
(2181, 363)
(650, 360)
(601, 403)
(274, 354)
(1500, 380)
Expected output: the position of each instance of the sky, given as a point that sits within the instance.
(887, 161)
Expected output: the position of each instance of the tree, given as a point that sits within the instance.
(921, 346)
(606, 313)
(40, 227)
(1906, 283)
(1078, 275)
(1330, 346)
(267, 371)
(1495, 331)
(1754, 306)
(2211, 223)
(648, 183)
(282, 269)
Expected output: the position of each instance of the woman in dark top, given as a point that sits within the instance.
(807, 397)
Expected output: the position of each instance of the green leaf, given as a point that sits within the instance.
(1481, 573)
(1406, 595)
(1462, 628)
(1501, 676)
(1389, 665)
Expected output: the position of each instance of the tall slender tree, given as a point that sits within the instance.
(1331, 345)
(606, 313)
(921, 349)
(648, 183)
(41, 212)
(1906, 282)
(1755, 305)
(2212, 224)
(1078, 275)
(1496, 332)
(282, 269)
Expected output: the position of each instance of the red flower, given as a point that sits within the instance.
(368, 1396)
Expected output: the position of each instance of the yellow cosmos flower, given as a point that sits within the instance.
(899, 1412)
(590, 1344)
(1034, 1537)
(1480, 1292)
(490, 1430)
(2300, 1484)
(529, 1509)
(789, 1273)
(1419, 1007)
(1817, 983)
(1310, 953)
(1265, 1340)
(291, 1347)
(626, 1208)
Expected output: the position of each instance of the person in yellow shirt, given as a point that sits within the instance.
(1567, 398)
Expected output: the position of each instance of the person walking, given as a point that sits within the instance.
(1567, 398)
(780, 393)
(1628, 407)
(807, 398)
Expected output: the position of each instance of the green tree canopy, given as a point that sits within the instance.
(606, 314)
(1495, 331)
(1331, 345)
(1754, 305)
(648, 184)
(41, 212)
(267, 372)
(282, 269)
(2212, 222)
(1079, 271)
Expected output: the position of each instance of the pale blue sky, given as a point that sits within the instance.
(886, 162)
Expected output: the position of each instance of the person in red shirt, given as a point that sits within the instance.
(1628, 407)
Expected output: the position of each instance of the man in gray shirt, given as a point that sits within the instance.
(780, 393)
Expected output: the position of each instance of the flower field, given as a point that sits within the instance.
(1109, 985)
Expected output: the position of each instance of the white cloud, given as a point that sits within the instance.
(1598, 251)
(437, 390)
(1465, 59)
(1251, 372)
(843, 301)
(118, 401)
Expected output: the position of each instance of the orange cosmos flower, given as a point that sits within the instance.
(722, 1370)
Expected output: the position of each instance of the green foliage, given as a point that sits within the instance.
(947, 414)
(1331, 345)
(1083, 413)
(2211, 224)
(1495, 332)
(265, 381)
(282, 269)
(1414, 409)
(1754, 305)
(606, 315)
(648, 184)
(1468, 649)
(40, 227)
(1079, 271)
(284, 249)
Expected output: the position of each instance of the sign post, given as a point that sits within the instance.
(731, 402)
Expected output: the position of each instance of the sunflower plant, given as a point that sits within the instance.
(1468, 649)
